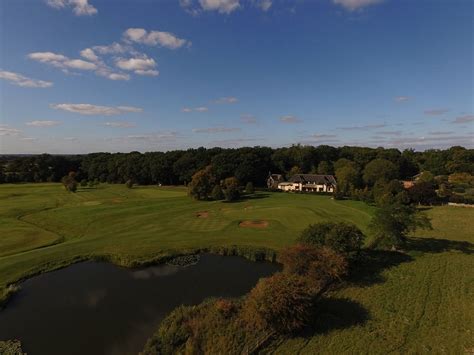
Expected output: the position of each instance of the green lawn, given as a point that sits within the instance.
(420, 302)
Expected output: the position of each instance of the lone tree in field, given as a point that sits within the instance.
(202, 183)
(392, 224)
(249, 188)
(342, 237)
(69, 182)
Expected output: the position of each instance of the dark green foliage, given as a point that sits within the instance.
(84, 183)
(11, 347)
(129, 183)
(231, 189)
(424, 193)
(379, 169)
(385, 193)
(341, 237)
(217, 193)
(392, 224)
(249, 188)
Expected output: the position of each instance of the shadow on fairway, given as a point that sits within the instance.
(432, 245)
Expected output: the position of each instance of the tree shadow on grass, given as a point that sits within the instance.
(434, 245)
(245, 198)
(335, 313)
(367, 269)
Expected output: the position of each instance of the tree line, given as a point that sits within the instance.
(355, 167)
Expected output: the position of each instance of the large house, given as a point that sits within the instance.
(309, 183)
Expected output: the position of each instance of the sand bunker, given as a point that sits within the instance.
(254, 224)
(202, 214)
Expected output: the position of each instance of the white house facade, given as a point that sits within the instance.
(309, 183)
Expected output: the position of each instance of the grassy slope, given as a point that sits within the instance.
(143, 223)
(422, 304)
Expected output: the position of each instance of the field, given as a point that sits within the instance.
(416, 302)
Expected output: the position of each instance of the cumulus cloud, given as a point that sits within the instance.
(226, 100)
(141, 65)
(61, 61)
(289, 119)
(88, 109)
(264, 4)
(23, 81)
(43, 123)
(436, 111)
(353, 5)
(89, 54)
(463, 119)
(216, 130)
(119, 124)
(114, 48)
(221, 6)
(79, 7)
(153, 38)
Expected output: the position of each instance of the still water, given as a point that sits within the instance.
(98, 308)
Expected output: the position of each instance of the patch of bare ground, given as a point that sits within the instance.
(202, 214)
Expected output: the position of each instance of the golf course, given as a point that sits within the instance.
(418, 301)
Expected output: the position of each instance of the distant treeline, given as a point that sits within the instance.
(250, 164)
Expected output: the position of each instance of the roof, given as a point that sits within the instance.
(314, 179)
(276, 176)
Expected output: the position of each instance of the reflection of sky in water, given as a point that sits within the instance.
(156, 271)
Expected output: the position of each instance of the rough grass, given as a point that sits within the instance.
(44, 227)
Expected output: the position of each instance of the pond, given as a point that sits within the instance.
(98, 308)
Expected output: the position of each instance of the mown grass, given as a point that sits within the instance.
(44, 227)
(420, 301)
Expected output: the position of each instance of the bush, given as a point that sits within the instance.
(217, 193)
(282, 303)
(341, 237)
(83, 182)
(129, 183)
(231, 189)
(69, 182)
(11, 347)
(322, 266)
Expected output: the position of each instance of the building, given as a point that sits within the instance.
(273, 180)
(309, 183)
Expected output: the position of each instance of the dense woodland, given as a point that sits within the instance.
(357, 169)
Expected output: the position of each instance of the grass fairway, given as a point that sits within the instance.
(43, 226)
(421, 302)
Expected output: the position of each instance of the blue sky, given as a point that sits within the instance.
(79, 76)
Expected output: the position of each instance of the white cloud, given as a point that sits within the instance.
(216, 130)
(88, 109)
(89, 54)
(289, 119)
(436, 111)
(21, 80)
(221, 6)
(114, 48)
(79, 7)
(153, 38)
(6, 130)
(352, 5)
(119, 124)
(197, 109)
(226, 100)
(61, 61)
(140, 66)
(43, 123)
